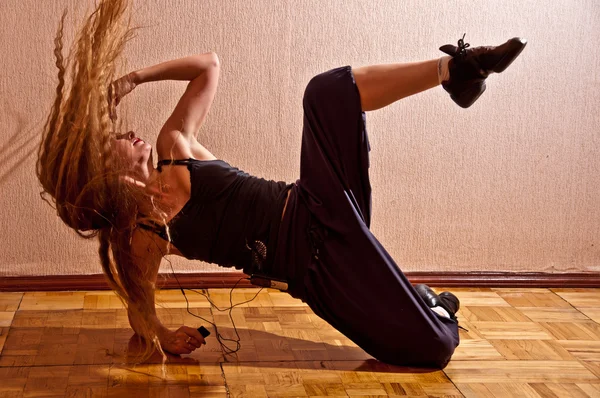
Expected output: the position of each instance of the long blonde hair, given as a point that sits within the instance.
(76, 166)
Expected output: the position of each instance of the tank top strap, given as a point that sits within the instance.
(173, 162)
(156, 228)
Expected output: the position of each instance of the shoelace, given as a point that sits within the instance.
(462, 46)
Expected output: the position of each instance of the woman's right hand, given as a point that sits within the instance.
(184, 340)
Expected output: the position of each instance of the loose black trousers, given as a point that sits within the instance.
(326, 251)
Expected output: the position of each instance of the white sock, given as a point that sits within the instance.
(443, 72)
(440, 311)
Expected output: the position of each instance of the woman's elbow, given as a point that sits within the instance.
(216, 60)
(212, 60)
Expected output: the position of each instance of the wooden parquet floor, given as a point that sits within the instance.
(519, 343)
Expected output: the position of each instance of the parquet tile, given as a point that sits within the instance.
(286, 334)
(566, 390)
(492, 314)
(222, 297)
(10, 301)
(533, 299)
(580, 298)
(520, 289)
(588, 330)
(519, 371)
(104, 300)
(3, 335)
(6, 318)
(511, 330)
(498, 390)
(583, 350)
(468, 331)
(174, 299)
(592, 313)
(333, 378)
(592, 390)
(532, 350)
(13, 381)
(476, 349)
(518, 343)
(483, 299)
(587, 301)
(48, 381)
(538, 314)
(593, 366)
(52, 301)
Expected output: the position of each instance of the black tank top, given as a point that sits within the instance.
(231, 218)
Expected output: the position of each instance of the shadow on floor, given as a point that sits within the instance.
(52, 346)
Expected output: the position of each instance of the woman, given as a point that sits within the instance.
(310, 238)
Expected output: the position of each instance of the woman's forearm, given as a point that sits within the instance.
(154, 323)
(187, 68)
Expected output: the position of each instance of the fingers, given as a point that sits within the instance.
(192, 343)
(181, 347)
(177, 350)
(180, 342)
(187, 340)
(194, 334)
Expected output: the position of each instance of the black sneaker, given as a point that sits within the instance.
(446, 300)
(469, 67)
(449, 302)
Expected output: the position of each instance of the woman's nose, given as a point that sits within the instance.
(130, 135)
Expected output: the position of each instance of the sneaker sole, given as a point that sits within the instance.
(467, 98)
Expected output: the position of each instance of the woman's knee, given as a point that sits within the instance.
(314, 89)
(441, 350)
(432, 354)
(327, 86)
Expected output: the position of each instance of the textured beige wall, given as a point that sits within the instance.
(512, 184)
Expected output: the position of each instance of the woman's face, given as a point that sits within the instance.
(136, 153)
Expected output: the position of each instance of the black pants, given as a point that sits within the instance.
(326, 251)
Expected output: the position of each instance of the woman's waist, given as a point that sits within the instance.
(245, 237)
(291, 253)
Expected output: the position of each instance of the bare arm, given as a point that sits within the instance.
(178, 136)
(188, 68)
(148, 251)
(202, 71)
(147, 261)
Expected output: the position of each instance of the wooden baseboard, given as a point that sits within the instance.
(505, 279)
(200, 280)
(206, 280)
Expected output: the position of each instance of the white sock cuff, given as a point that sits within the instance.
(443, 71)
(440, 311)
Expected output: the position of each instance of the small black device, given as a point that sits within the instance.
(203, 331)
(264, 281)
